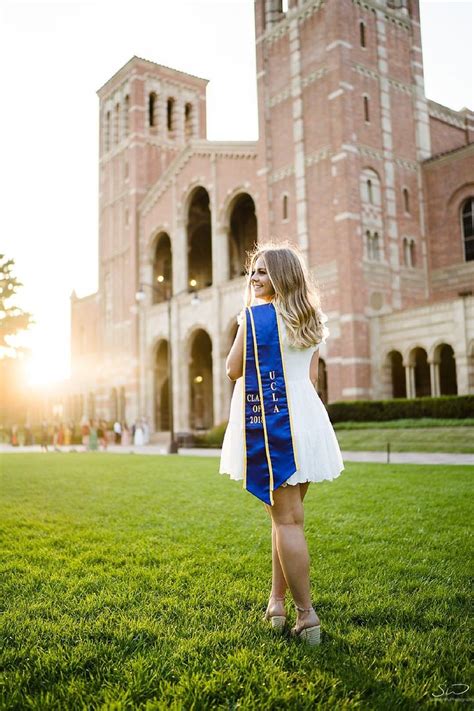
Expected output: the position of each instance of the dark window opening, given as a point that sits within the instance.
(406, 200)
(152, 109)
(468, 228)
(170, 114)
(370, 194)
(366, 109)
(188, 120)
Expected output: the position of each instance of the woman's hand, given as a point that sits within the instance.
(234, 364)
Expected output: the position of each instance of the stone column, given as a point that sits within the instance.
(160, 110)
(434, 378)
(179, 246)
(410, 380)
(180, 372)
(464, 374)
(218, 373)
(178, 120)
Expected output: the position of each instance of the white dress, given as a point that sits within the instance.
(317, 449)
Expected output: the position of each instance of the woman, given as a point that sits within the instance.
(277, 276)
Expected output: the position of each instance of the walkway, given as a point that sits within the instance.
(395, 457)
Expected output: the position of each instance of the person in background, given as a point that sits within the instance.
(44, 436)
(93, 437)
(28, 435)
(85, 432)
(56, 438)
(125, 435)
(138, 439)
(118, 432)
(101, 435)
(14, 436)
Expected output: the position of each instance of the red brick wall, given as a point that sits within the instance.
(445, 137)
(448, 181)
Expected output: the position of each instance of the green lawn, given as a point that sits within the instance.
(405, 436)
(140, 582)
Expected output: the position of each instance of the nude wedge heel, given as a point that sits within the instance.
(278, 622)
(310, 635)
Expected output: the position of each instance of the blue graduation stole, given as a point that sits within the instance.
(269, 451)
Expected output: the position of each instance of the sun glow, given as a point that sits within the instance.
(46, 355)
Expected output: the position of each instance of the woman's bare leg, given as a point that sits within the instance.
(279, 585)
(287, 522)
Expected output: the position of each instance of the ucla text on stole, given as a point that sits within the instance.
(257, 419)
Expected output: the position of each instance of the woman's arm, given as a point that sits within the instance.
(313, 368)
(234, 364)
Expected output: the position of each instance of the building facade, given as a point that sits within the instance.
(373, 182)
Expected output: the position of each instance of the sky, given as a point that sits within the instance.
(56, 54)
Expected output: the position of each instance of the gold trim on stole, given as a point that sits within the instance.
(244, 486)
(262, 408)
(287, 390)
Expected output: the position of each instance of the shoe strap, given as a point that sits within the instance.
(304, 609)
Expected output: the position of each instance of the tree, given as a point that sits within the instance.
(12, 318)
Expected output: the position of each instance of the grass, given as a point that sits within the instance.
(425, 435)
(140, 582)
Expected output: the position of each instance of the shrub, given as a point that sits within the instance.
(444, 407)
(212, 438)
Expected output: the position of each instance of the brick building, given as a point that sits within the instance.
(373, 181)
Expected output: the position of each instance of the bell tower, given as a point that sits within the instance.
(148, 114)
(344, 126)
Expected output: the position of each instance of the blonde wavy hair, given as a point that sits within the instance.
(296, 297)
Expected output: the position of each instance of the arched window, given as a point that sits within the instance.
(170, 115)
(162, 269)
(370, 188)
(199, 233)
(117, 124)
(406, 200)
(362, 33)
(376, 251)
(126, 123)
(242, 233)
(152, 109)
(285, 207)
(370, 194)
(409, 253)
(468, 228)
(188, 120)
(412, 253)
(373, 246)
(406, 252)
(366, 109)
(107, 131)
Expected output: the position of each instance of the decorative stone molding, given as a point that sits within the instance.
(280, 28)
(388, 14)
(220, 149)
(449, 116)
(372, 74)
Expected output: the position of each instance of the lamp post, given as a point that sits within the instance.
(165, 290)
